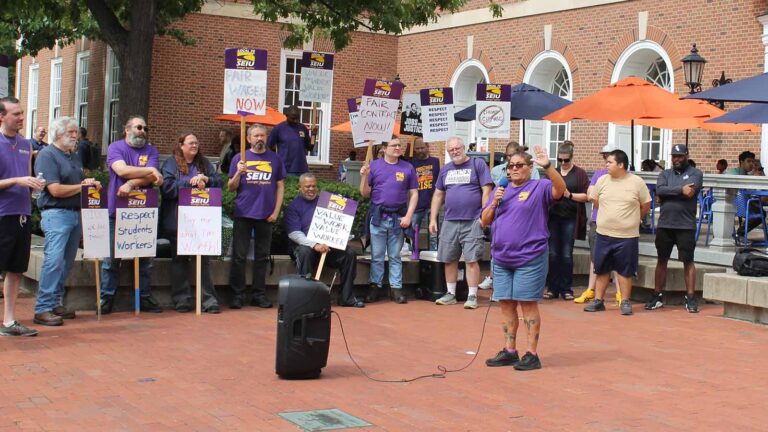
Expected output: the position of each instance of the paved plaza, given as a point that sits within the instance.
(661, 370)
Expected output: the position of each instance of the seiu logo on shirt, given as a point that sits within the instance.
(143, 159)
(400, 176)
(258, 171)
(458, 176)
(523, 196)
(301, 134)
(24, 152)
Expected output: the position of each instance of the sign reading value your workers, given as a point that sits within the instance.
(316, 77)
(437, 113)
(378, 109)
(492, 110)
(245, 81)
(136, 224)
(353, 104)
(95, 215)
(199, 228)
(332, 221)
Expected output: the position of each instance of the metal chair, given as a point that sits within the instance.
(706, 199)
(745, 214)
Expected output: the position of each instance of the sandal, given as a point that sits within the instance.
(567, 296)
(549, 295)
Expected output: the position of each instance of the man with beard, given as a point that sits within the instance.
(133, 163)
(678, 189)
(59, 203)
(38, 140)
(259, 182)
(291, 140)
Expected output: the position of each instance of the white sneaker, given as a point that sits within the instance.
(487, 283)
(447, 299)
(471, 302)
(405, 251)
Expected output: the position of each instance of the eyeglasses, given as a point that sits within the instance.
(394, 145)
(193, 144)
(566, 160)
(142, 127)
(516, 166)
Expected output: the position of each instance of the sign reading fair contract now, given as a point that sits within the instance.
(378, 109)
(332, 221)
(95, 215)
(245, 81)
(136, 224)
(199, 227)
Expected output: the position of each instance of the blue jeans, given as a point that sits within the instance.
(560, 277)
(62, 237)
(421, 218)
(387, 238)
(110, 269)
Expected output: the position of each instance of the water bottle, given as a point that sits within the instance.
(36, 193)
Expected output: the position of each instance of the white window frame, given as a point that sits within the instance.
(82, 57)
(472, 128)
(33, 92)
(323, 110)
(54, 99)
(109, 97)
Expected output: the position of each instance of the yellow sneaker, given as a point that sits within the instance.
(586, 296)
(618, 298)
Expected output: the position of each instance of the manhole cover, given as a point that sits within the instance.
(320, 420)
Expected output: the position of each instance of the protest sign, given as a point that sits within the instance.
(4, 76)
(95, 217)
(353, 105)
(378, 109)
(410, 119)
(136, 224)
(437, 113)
(493, 110)
(316, 77)
(199, 227)
(332, 220)
(245, 81)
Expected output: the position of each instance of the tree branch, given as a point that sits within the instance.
(113, 33)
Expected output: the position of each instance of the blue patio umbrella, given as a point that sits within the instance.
(754, 89)
(753, 113)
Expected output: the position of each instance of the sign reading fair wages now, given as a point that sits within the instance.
(332, 221)
(437, 113)
(199, 227)
(136, 224)
(378, 109)
(95, 215)
(245, 81)
(492, 110)
(316, 77)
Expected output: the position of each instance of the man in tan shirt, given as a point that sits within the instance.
(623, 200)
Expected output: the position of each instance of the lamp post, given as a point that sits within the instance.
(693, 69)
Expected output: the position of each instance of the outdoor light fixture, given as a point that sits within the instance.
(717, 83)
(693, 69)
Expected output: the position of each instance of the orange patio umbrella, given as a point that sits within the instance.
(272, 117)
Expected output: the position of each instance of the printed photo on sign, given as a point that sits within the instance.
(332, 221)
(316, 77)
(136, 224)
(410, 118)
(437, 113)
(245, 81)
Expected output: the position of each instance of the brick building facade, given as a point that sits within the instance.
(569, 48)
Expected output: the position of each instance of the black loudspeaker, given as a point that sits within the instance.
(432, 281)
(303, 327)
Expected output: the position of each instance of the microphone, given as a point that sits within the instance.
(503, 183)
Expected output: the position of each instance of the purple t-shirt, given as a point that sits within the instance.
(257, 193)
(291, 141)
(463, 186)
(390, 183)
(427, 171)
(298, 214)
(595, 177)
(519, 229)
(135, 157)
(15, 154)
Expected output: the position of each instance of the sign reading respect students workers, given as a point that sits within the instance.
(95, 215)
(199, 227)
(492, 110)
(410, 119)
(332, 221)
(136, 224)
(353, 104)
(378, 109)
(245, 81)
(437, 113)
(316, 77)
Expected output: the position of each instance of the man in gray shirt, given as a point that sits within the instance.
(678, 189)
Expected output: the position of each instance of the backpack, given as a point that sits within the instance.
(750, 262)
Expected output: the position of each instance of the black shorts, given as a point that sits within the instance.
(616, 254)
(684, 239)
(15, 241)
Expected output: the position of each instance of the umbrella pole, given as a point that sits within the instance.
(523, 143)
(686, 137)
(242, 137)
(632, 144)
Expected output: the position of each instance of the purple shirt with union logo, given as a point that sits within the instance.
(15, 154)
(519, 229)
(135, 157)
(390, 183)
(595, 177)
(427, 171)
(257, 192)
(463, 186)
(292, 141)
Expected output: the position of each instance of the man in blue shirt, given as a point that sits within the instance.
(291, 140)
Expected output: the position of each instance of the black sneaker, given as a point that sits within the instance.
(215, 309)
(528, 362)
(17, 329)
(107, 303)
(261, 302)
(183, 307)
(656, 302)
(236, 303)
(596, 306)
(691, 304)
(148, 304)
(503, 358)
(373, 293)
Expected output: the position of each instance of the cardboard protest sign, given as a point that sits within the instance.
(378, 109)
(332, 220)
(353, 105)
(316, 77)
(437, 112)
(95, 216)
(410, 119)
(245, 81)
(3, 76)
(199, 227)
(493, 110)
(136, 224)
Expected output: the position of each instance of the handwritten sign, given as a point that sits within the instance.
(437, 113)
(199, 228)
(95, 215)
(378, 109)
(410, 119)
(3, 76)
(245, 81)
(136, 224)
(316, 77)
(492, 110)
(332, 220)
(353, 105)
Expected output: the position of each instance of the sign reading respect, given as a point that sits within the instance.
(136, 224)
(437, 113)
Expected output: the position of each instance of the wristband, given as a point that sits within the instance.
(547, 166)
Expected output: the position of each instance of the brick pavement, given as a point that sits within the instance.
(661, 370)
